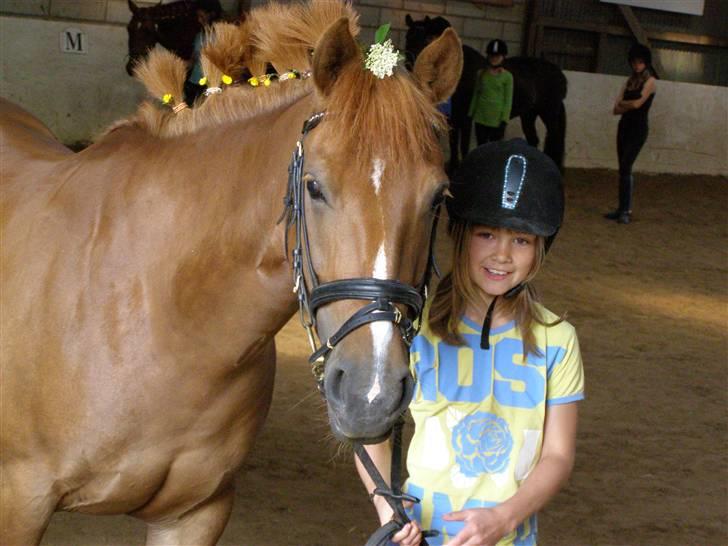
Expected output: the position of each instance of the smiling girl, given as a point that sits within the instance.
(498, 375)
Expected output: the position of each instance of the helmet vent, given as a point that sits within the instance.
(515, 174)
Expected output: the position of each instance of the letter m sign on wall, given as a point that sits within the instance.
(73, 41)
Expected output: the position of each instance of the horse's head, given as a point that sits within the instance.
(420, 34)
(372, 181)
(142, 30)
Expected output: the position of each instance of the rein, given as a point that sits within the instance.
(383, 296)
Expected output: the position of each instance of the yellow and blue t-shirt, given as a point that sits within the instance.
(479, 418)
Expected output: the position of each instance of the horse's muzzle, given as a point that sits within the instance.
(363, 410)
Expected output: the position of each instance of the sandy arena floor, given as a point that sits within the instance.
(650, 305)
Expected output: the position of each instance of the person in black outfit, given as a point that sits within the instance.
(633, 103)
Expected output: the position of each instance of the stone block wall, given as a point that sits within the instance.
(100, 11)
(475, 24)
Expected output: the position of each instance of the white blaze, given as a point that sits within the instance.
(377, 170)
(381, 331)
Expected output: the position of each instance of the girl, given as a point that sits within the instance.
(497, 374)
(490, 106)
(633, 103)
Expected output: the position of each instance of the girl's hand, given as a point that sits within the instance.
(483, 527)
(409, 535)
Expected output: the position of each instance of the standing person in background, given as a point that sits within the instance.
(208, 11)
(490, 106)
(633, 103)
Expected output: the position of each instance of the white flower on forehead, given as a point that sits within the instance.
(381, 59)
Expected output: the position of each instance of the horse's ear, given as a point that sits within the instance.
(408, 20)
(439, 65)
(333, 52)
(132, 6)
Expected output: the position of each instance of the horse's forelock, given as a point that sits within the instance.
(390, 117)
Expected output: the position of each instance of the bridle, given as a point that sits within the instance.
(383, 296)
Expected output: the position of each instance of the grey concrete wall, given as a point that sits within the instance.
(688, 126)
(76, 95)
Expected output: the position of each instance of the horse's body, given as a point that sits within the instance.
(144, 279)
(539, 90)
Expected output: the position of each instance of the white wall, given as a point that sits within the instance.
(688, 126)
(76, 95)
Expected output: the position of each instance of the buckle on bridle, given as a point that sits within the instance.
(397, 315)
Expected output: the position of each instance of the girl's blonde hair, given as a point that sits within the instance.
(456, 290)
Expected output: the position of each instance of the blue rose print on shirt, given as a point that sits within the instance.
(482, 444)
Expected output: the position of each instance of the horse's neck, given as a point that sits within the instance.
(230, 271)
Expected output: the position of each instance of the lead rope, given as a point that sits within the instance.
(391, 493)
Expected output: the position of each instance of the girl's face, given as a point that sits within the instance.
(496, 60)
(500, 258)
(638, 66)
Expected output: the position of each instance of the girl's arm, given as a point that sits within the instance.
(647, 90)
(618, 110)
(381, 456)
(489, 525)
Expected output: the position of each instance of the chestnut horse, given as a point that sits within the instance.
(144, 279)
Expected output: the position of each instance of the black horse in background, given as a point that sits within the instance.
(539, 90)
(173, 26)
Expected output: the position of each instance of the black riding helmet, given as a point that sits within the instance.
(640, 51)
(512, 185)
(497, 47)
(509, 184)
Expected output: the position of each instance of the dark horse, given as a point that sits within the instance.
(539, 90)
(173, 26)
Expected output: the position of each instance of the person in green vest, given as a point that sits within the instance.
(490, 107)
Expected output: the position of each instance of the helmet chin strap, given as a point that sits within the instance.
(485, 333)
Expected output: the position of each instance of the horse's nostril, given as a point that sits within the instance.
(335, 380)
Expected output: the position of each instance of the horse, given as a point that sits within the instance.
(539, 90)
(173, 26)
(145, 277)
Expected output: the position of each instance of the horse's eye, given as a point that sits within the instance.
(314, 190)
(439, 198)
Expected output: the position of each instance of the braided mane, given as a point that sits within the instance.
(284, 36)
